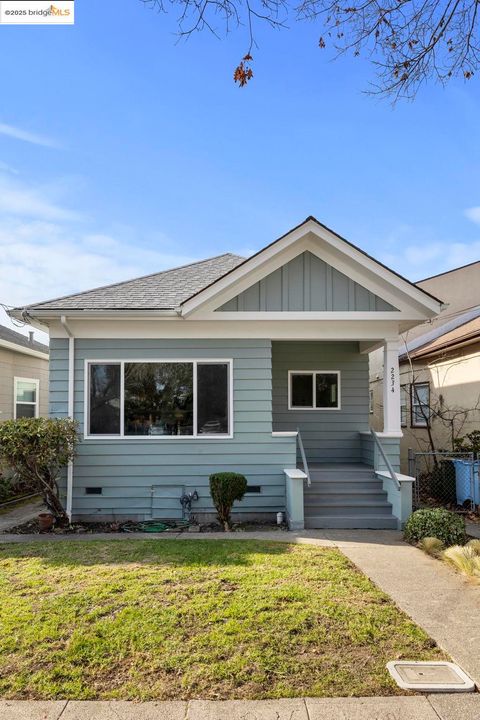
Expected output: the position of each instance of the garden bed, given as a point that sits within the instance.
(156, 619)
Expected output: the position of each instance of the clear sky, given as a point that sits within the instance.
(123, 152)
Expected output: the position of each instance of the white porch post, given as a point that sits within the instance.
(391, 388)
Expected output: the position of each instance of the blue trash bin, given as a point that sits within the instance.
(463, 480)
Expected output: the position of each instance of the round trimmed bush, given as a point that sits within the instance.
(435, 522)
(225, 488)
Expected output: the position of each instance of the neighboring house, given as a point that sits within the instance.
(439, 368)
(216, 365)
(23, 376)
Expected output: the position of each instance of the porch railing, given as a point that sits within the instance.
(387, 462)
(303, 456)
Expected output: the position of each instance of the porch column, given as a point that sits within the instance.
(391, 388)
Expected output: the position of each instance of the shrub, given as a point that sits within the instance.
(225, 488)
(432, 546)
(37, 449)
(464, 558)
(435, 522)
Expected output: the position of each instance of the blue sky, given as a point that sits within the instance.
(123, 152)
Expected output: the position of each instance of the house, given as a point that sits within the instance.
(439, 368)
(237, 364)
(23, 376)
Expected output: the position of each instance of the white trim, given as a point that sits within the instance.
(163, 438)
(24, 350)
(335, 251)
(36, 404)
(285, 433)
(373, 330)
(314, 373)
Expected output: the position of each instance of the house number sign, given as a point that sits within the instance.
(392, 379)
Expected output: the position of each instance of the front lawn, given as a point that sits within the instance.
(163, 619)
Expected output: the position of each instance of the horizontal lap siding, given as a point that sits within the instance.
(328, 435)
(127, 469)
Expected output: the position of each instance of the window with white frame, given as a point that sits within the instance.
(159, 399)
(403, 405)
(420, 404)
(313, 390)
(25, 400)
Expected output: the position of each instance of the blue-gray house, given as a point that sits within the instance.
(257, 365)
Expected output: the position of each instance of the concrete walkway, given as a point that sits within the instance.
(20, 514)
(431, 707)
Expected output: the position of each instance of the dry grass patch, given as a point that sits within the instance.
(163, 619)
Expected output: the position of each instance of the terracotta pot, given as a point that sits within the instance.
(45, 521)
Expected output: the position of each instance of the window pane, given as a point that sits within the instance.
(326, 388)
(212, 399)
(403, 405)
(158, 399)
(420, 404)
(26, 391)
(104, 399)
(302, 390)
(25, 411)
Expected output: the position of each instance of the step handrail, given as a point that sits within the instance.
(304, 457)
(387, 462)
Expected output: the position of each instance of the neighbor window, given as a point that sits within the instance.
(316, 390)
(25, 397)
(420, 399)
(159, 399)
(403, 405)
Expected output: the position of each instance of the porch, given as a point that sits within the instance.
(347, 476)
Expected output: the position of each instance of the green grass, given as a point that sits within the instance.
(163, 619)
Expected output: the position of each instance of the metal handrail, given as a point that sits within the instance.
(386, 460)
(304, 458)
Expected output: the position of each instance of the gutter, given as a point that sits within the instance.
(24, 350)
(71, 407)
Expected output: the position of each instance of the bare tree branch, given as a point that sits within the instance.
(408, 41)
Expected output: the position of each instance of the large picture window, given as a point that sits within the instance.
(159, 399)
(313, 390)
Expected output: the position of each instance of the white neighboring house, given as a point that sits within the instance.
(24, 364)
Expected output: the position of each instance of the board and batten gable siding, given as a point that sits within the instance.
(306, 283)
(328, 435)
(16, 364)
(136, 475)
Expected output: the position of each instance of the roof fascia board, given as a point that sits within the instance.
(52, 315)
(22, 349)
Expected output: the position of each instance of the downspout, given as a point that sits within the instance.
(71, 387)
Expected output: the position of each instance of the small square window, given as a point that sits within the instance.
(314, 390)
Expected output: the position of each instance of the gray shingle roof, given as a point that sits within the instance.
(160, 291)
(19, 339)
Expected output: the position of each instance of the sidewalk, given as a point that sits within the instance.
(20, 514)
(431, 707)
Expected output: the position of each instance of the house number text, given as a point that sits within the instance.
(392, 379)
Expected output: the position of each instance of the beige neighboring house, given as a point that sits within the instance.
(439, 367)
(23, 375)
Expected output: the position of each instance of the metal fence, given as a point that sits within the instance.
(445, 479)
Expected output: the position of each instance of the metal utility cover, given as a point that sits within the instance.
(435, 676)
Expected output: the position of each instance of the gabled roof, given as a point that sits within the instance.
(461, 330)
(159, 291)
(9, 338)
(185, 289)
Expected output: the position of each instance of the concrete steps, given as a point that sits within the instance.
(346, 496)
